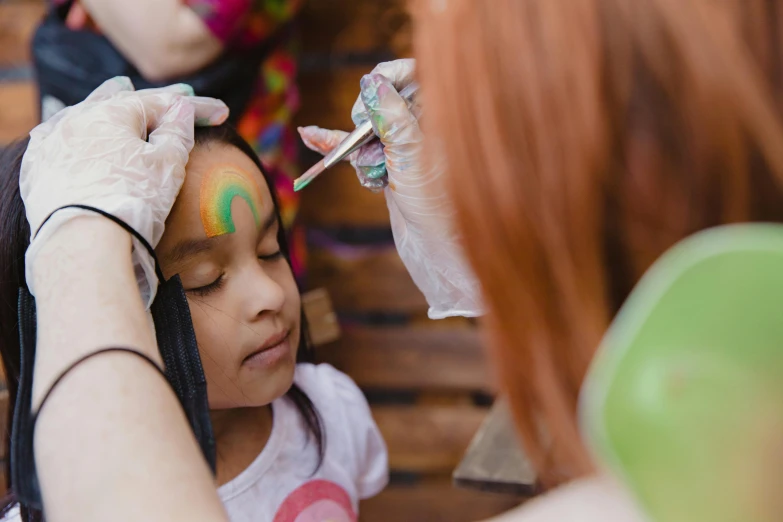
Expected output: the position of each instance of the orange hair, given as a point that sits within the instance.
(584, 138)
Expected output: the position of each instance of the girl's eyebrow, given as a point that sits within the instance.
(192, 247)
(188, 248)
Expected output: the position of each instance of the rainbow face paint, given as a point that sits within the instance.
(219, 187)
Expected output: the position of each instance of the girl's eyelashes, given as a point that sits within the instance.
(206, 290)
(217, 284)
(272, 257)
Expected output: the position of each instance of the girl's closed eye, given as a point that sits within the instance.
(268, 248)
(274, 256)
(217, 284)
(203, 291)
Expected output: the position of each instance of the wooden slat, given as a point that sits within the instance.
(495, 460)
(411, 358)
(337, 200)
(340, 25)
(427, 439)
(366, 280)
(18, 20)
(18, 110)
(328, 96)
(434, 502)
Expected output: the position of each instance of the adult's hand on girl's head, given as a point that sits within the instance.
(422, 217)
(121, 151)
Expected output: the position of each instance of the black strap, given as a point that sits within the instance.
(123, 224)
(87, 357)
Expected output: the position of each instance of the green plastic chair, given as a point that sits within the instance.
(684, 400)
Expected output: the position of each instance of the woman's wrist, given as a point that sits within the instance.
(78, 244)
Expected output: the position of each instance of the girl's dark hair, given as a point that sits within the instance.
(14, 240)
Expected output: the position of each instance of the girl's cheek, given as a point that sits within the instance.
(204, 325)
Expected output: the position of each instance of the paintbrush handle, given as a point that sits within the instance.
(364, 132)
(361, 135)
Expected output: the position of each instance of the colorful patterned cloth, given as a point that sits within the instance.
(266, 123)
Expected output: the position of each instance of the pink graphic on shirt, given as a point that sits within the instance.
(317, 501)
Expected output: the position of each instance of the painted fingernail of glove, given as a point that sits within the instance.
(372, 89)
(374, 172)
(186, 89)
(218, 117)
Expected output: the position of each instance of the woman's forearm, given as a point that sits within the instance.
(113, 425)
(161, 38)
(86, 298)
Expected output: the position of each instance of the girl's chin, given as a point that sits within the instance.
(257, 390)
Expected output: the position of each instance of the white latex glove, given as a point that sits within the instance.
(420, 211)
(97, 153)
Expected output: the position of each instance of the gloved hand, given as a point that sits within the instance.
(96, 153)
(420, 211)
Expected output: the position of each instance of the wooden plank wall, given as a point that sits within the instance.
(423, 378)
(18, 98)
(427, 381)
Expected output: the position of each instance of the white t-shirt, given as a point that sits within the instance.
(282, 483)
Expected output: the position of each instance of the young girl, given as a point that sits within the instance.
(294, 441)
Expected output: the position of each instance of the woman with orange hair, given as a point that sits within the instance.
(579, 141)
(570, 144)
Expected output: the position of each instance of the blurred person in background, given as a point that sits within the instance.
(241, 51)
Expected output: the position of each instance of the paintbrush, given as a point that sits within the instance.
(361, 135)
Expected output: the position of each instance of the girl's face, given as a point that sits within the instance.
(221, 238)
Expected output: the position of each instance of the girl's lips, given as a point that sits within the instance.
(271, 352)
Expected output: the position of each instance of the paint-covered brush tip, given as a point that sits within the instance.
(305, 179)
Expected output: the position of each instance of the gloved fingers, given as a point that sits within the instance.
(208, 111)
(370, 165)
(321, 140)
(399, 72)
(109, 88)
(391, 118)
(182, 89)
(172, 136)
(368, 161)
(359, 111)
(155, 110)
(178, 89)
